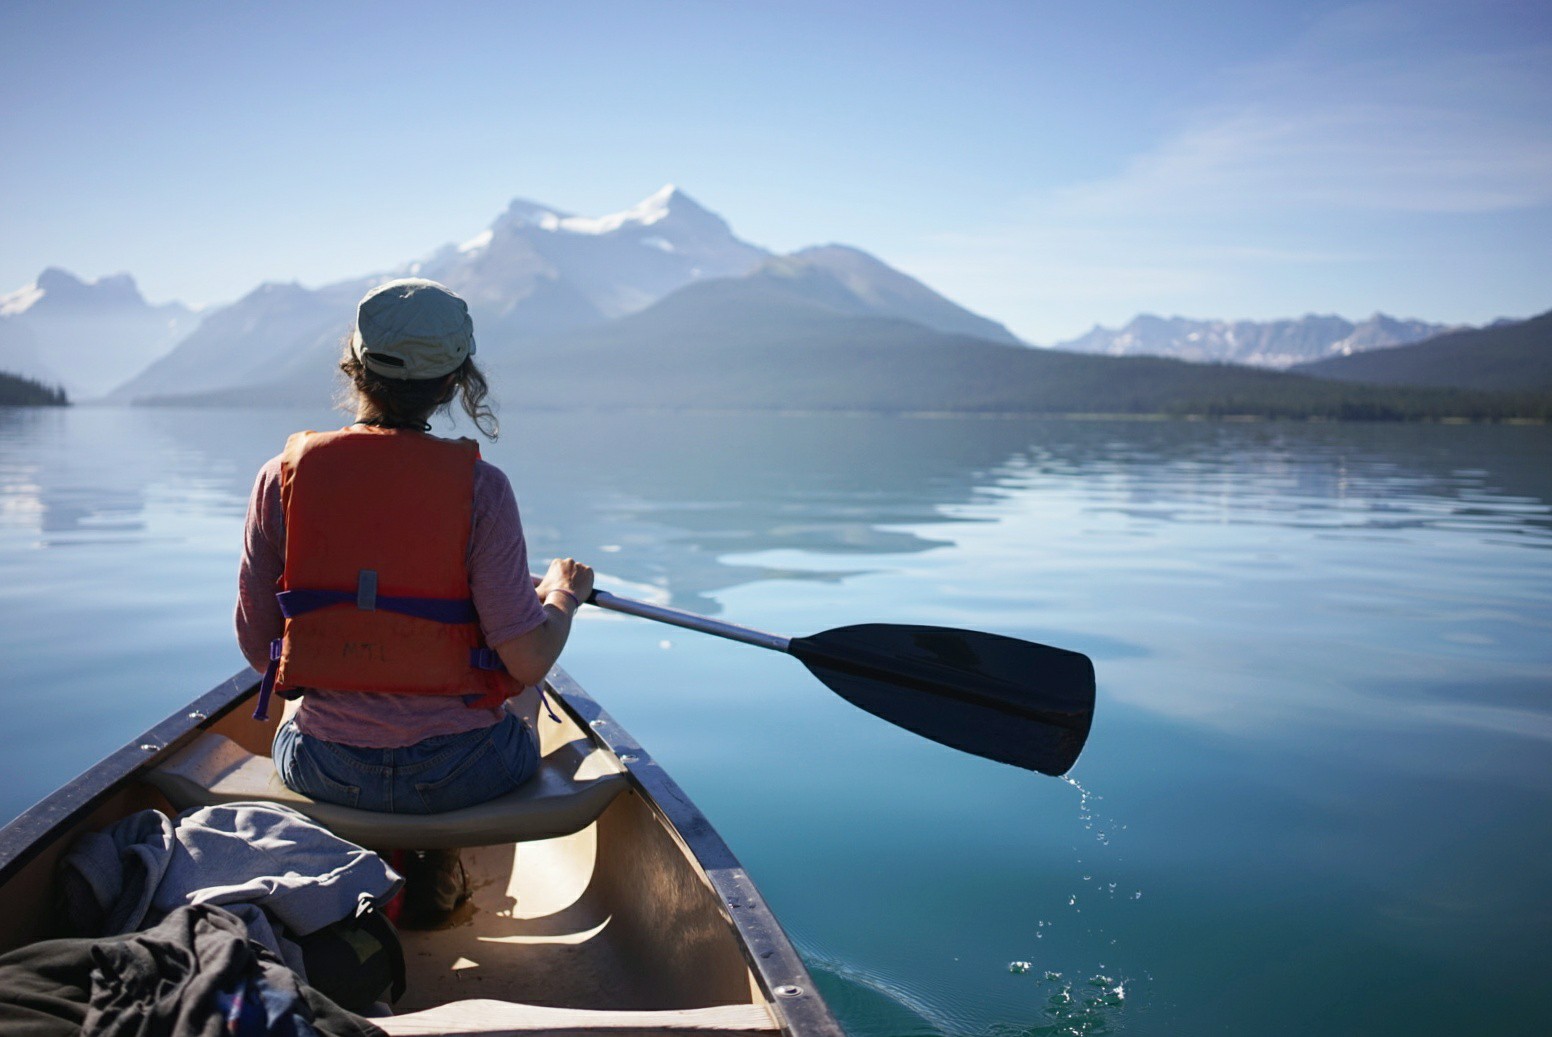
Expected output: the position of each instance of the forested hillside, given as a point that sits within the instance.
(1513, 357)
(24, 392)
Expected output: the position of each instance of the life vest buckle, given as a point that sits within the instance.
(366, 590)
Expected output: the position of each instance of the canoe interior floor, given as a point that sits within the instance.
(508, 944)
(608, 918)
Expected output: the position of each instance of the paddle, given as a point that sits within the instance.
(1008, 700)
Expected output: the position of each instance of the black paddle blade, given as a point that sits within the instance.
(1007, 700)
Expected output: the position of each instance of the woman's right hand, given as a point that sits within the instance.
(569, 575)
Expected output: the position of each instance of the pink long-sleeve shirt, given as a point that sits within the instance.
(499, 583)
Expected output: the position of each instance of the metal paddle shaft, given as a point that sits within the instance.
(688, 620)
(1009, 700)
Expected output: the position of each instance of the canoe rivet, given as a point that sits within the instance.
(148, 747)
(629, 759)
(196, 715)
(598, 723)
(789, 991)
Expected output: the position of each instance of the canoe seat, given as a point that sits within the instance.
(575, 782)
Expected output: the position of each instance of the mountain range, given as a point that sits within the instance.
(778, 340)
(662, 305)
(771, 341)
(86, 336)
(1278, 344)
(535, 273)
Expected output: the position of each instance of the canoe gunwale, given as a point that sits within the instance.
(767, 950)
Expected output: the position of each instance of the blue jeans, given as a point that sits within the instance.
(441, 773)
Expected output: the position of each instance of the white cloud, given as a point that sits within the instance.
(1370, 110)
(1344, 153)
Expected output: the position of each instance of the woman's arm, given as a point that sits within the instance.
(528, 657)
(258, 619)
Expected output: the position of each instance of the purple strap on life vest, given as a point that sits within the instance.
(267, 685)
(439, 610)
(295, 603)
(490, 659)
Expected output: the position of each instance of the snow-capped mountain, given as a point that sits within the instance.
(1276, 344)
(540, 269)
(87, 336)
(1382, 332)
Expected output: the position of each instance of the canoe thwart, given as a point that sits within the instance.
(487, 1018)
(576, 780)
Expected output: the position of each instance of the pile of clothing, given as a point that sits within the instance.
(237, 919)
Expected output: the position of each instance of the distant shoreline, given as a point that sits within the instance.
(915, 414)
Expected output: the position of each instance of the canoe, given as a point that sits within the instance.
(603, 900)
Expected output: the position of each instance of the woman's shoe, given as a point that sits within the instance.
(435, 885)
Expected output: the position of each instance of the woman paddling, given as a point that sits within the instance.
(404, 611)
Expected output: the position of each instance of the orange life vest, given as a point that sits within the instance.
(375, 589)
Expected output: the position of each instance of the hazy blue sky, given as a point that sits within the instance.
(1049, 165)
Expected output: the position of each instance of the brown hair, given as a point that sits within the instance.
(410, 402)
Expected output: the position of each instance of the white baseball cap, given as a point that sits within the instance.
(412, 328)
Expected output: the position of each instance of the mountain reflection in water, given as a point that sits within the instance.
(668, 496)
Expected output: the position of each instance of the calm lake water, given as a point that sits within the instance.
(1318, 793)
